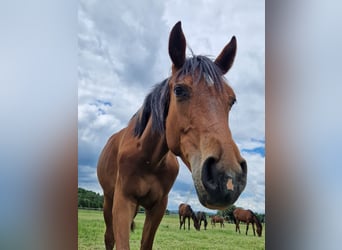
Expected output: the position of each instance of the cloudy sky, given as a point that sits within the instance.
(123, 53)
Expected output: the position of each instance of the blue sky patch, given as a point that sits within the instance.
(258, 150)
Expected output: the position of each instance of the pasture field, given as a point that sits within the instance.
(91, 230)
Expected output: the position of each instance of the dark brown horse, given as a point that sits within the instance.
(201, 216)
(185, 115)
(249, 217)
(217, 219)
(185, 212)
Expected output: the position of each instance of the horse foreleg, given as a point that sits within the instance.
(253, 228)
(123, 213)
(247, 227)
(188, 223)
(152, 221)
(108, 218)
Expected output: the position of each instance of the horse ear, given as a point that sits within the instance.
(226, 58)
(177, 45)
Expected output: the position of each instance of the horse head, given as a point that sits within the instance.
(197, 127)
(196, 221)
(259, 231)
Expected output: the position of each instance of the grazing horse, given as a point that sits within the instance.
(201, 216)
(185, 211)
(217, 219)
(185, 115)
(249, 217)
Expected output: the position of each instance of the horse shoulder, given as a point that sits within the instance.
(165, 173)
(106, 166)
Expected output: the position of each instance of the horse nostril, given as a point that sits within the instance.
(209, 174)
(243, 165)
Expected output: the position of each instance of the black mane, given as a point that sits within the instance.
(156, 103)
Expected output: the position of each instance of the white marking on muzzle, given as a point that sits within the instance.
(230, 185)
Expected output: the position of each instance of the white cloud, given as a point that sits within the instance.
(253, 197)
(87, 174)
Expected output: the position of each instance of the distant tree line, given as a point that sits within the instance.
(89, 199)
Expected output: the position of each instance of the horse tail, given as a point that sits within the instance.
(234, 220)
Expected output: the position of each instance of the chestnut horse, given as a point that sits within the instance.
(185, 212)
(249, 217)
(185, 115)
(217, 219)
(201, 216)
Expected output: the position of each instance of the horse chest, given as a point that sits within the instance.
(149, 190)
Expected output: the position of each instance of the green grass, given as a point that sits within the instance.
(91, 228)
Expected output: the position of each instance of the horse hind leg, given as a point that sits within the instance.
(108, 218)
(247, 227)
(237, 227)
(180, 222)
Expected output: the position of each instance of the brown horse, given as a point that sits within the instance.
(217, 219)
(249, 217)
(185, 211)
(185, 115)
(201, 216)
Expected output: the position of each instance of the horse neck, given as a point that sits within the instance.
(153, 144)
(191, 212)
(193, 216)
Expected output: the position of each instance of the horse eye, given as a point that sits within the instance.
(232, 101)
(181, 91)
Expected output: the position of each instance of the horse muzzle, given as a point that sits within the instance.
(218, 188)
